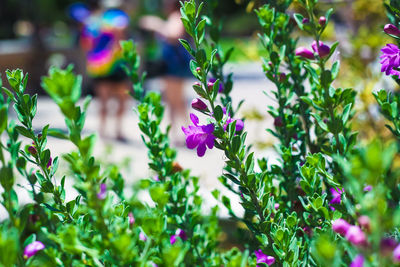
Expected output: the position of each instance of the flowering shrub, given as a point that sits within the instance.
(329, 201)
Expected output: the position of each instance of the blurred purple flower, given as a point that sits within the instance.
(179, 233)
(323, 50)
(239, 123)
(131, 218)
(340, 226)
(364, 222)
(356, 236)
(358, 261)
(304, 52)
(199, 136)
(387, 245)
(390, 60)
(103, 191)
(262, 258)
(31, 249)
(142, 237)
(305, 21)
(396, 254)
(221, 86)
(367, 188)
(336, 195)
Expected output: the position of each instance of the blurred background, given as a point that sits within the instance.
(37, 34)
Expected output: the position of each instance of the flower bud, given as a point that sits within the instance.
(131, 218)
(142, 237)
(199, 104)
(305, 21)
(210, 86)
(322, 21)
(276, 206)
(103, 192)
(340, 226)
(49, 162)
(278, 122)
(356, 236)
(198, 70)
(282, 77)
(364, 222)
(323, 50)
(32, 150)
(391, 29)
(304, 52)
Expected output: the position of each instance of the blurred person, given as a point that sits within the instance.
(102, 30)
(175, 57)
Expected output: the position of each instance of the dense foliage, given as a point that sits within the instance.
(330, 201)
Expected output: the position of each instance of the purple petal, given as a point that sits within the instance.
(239, 125)
(210, 141)
(33, 248)
(201, 150)
(358, 261)
(172, 239)
(194, 119)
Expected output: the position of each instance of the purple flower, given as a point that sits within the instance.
(358, 261)
(31, 249)
(390, 60)
(305, 20)
(276, 206)
(103, 191)
(199, 136)
(364, 222)
(179, 233)
(199, 104)
(355, 235)
(262, 258)
(336, 195)
(172, 239)
(304, 52)
(239, 123)
(142, 237)
(391, 29)
(221, 86)
(131, 218)
(340, 226)
(323, 50)
(387, 245)
(367, 188)
(396, 254)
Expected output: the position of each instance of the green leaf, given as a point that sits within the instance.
(299, 19)
(3, 118)
(25, 132)
(346, 113)
(218, 113)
